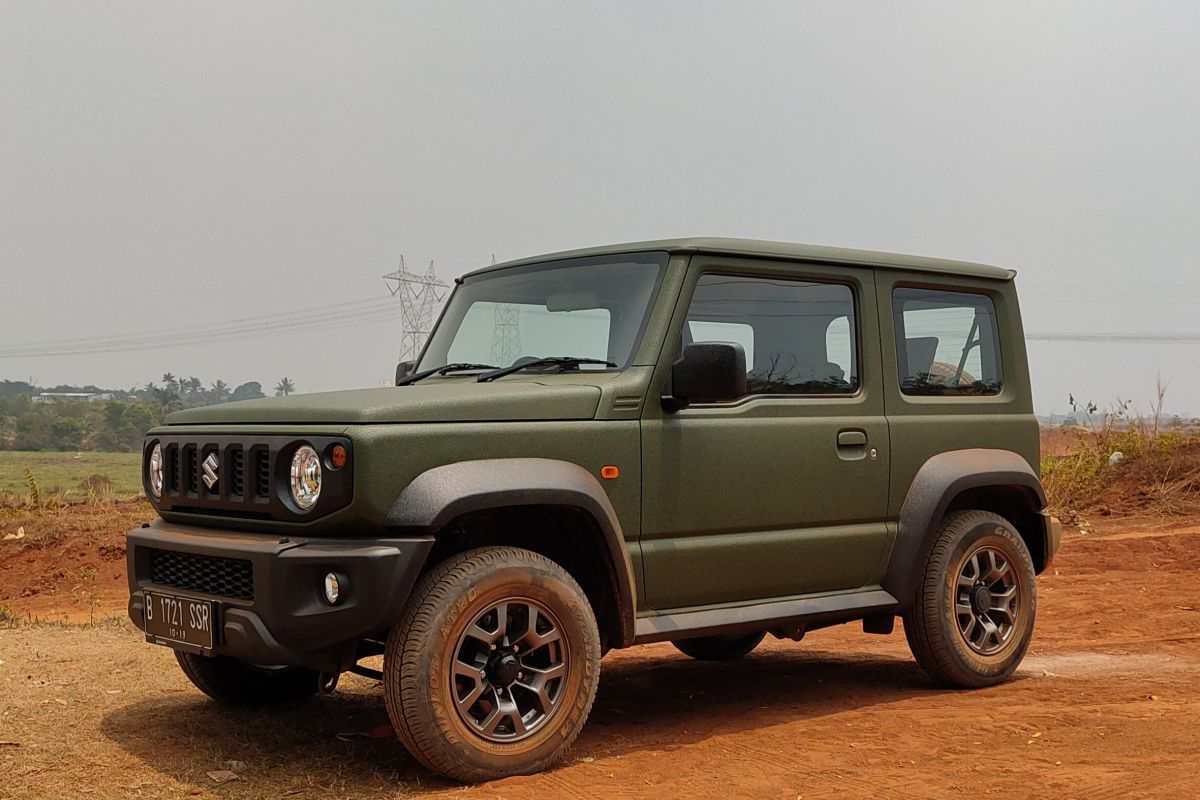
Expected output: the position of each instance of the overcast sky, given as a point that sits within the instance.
(169, 165)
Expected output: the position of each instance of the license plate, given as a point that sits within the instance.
(180, 620)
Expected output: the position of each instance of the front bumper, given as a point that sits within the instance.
(283, 618)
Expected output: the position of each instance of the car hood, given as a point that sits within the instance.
(438, 400)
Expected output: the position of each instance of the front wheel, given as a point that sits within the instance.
(234, 683)
(492, 669)
(976, 602)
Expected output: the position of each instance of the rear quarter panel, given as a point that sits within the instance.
(921, 427)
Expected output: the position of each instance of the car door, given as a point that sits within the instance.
(782, 492)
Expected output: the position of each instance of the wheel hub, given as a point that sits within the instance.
(503, 669)
(981, 600)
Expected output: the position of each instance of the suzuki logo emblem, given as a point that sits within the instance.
(209, 468)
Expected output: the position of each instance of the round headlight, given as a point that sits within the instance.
(154, 470)
(306, 477)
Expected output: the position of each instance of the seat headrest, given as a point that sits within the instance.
(921, 351)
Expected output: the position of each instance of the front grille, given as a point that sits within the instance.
(248, 476)
(237, 472)
(243, 482)
(191, 469)
(262, 474)
(224, 577)
(171, 469)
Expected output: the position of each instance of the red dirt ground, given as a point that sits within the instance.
(71, 563)
(1107, 704)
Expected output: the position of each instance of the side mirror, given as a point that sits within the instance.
(404, 369)
(709, 372)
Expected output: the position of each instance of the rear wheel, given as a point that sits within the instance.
(976, 602)
(233, 682)
(719, 648)
(493, 667)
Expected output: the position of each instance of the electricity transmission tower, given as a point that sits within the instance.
(420, 298)
(506, 333)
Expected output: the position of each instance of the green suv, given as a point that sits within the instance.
(699, 441)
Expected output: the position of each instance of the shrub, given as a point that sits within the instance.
(1125, 461)
(35, 491)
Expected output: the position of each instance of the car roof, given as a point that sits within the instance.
(777, 250)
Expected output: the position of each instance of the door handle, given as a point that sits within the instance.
(852, 439)
(852, 445)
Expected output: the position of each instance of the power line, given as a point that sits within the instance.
(295, 322)
(1119, 338)
(371, 311)
(159, 344)
(242, 323)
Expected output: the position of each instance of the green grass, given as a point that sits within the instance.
(68, 470)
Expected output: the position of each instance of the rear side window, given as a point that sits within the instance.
(799, 336)
(946, 343)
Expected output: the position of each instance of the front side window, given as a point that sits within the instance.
(799, 336)
(584, 307)
(946, 343)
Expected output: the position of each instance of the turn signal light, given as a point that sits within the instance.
(609, 472)
(337, 456)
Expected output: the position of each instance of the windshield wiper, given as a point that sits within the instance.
(565, 362)
(417, 376)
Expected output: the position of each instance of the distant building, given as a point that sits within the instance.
(81, 397)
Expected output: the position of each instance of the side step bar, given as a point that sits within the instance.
(806, 613)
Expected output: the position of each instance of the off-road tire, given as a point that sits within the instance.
(932, 624)
(233, 683)
(719, 648)
(422, 649)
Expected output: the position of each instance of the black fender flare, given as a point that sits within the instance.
(441, 494)
(936, 484)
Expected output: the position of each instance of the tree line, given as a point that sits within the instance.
(115, 425)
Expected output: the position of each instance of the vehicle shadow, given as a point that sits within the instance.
(651, 698)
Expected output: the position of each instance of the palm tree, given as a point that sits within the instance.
(167, 399)
(169, 381)
(220, 391)
(284, 387)
(194, 387)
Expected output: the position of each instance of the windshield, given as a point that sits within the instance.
(583, 307)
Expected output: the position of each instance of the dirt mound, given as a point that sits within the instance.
(1167, 483)
(97, 484)
(71, 562)
(1122, 472)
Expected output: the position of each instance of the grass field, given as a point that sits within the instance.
(68, 470)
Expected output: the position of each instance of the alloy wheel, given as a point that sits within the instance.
(987, 600)
(508, 670)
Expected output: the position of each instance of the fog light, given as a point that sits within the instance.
(333, 589)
